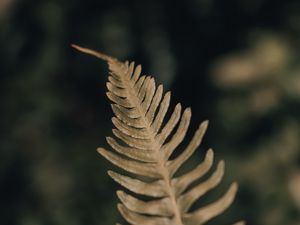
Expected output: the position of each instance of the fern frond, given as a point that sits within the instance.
(145, 141)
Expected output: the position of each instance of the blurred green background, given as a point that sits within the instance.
(236, 63)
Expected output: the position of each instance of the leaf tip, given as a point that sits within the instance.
(111, 173)
(93, 53)
(234, 187)
(205, 123)
(100, 150)
(120, 194)
(221, 164)
(210, 152)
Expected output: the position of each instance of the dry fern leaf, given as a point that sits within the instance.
(146, 141)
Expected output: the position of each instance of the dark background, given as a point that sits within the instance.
(236, 63)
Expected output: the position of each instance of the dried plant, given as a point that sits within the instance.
(147, 142)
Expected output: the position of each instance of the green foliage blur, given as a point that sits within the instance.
(236, 63)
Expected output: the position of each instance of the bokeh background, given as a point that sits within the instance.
(236, 63)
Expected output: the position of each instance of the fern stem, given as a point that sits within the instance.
(156, 146)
